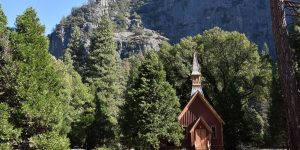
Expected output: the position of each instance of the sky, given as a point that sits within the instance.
(50, 12)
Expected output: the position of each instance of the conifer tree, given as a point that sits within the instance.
(81, 102)
(103, 75)
(265, 51)
(3, 35)
(277, 131)
(67, 58)
(3, 47)
(81, 111)
(4, 41)
(9, 134)
(77, 51)
(149, 115)
(39, 107)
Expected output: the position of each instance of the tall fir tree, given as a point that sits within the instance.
(265, 51)
(77, 50)
(103, 75)
(4, 35)
(149, 116)
(9, 134)
(81, 107)
(38, 103)
(81, 100)
(4, 47)
(277, 136)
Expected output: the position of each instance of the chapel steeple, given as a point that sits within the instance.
(196, 77)
(203, 125)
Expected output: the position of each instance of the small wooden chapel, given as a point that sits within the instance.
(203, 126)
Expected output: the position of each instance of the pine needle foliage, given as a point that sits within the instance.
(149, 116)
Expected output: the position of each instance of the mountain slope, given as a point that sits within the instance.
(181, 18)
(130, 35)
(139, 21)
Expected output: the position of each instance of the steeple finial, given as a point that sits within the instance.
(196, 76)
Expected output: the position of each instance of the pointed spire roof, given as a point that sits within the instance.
(196, 66)
(196, 76)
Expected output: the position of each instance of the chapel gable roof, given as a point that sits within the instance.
(205, 102)
(200, 120)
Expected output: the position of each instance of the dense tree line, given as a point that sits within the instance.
(93, 99)
(237, 82)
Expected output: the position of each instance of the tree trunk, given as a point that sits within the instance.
(286, 71)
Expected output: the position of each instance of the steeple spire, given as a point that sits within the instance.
(196, 66)
(196, 76)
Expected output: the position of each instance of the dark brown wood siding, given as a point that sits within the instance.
(188, 118)
(195, 110)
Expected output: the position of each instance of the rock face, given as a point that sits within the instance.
(174, 19)
(131, 43)
(84, 17)
(130, 36)
(180, 18)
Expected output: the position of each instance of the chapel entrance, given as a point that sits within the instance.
(201, 139)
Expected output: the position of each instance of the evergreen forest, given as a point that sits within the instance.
(103, 99)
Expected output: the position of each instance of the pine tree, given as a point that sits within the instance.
(150, 111)
(265, 51)
(3, 48)
(3, 36)
(80, 99)
(77, 50)
(39, 107)
(103, 75)
(277, 130)
(4, 40)
(252, 128)
(9, 134)
(81, 107)
(67, 58)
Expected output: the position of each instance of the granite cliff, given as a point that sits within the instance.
(130, 35)
(180, 18)
(144, 24)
